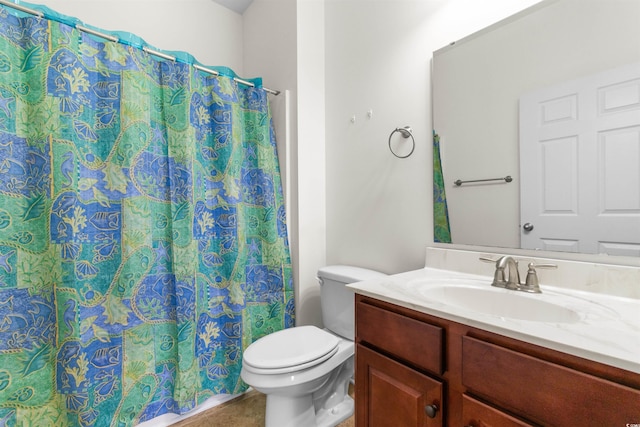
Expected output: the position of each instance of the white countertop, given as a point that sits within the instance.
(608, 329)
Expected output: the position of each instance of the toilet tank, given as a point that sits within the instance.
(336, 300)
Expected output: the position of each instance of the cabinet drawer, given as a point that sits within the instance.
(411, 340)
(542, 391)
(477, 414)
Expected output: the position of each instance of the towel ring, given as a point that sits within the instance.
(406, 132)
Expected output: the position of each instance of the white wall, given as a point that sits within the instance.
(206, 30)
(311, 167)
(339, 58)
(378, 55)
(378, 206)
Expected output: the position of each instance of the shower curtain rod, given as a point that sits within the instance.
(144, 48)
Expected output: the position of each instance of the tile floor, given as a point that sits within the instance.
(244, 411)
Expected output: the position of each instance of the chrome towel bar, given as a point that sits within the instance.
(506, 179)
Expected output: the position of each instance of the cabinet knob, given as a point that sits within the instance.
(431, 410)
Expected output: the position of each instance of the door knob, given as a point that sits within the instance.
(431, 410)
(528, 226)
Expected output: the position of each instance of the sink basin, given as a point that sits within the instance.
(499, 302)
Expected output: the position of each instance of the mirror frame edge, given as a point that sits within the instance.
(567, 256)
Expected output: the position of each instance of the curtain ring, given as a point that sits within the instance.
(406, 133)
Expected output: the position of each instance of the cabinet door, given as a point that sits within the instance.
(477, 414)
(389, 394)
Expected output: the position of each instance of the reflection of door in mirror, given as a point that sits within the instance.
(580, 165)
(477, 84)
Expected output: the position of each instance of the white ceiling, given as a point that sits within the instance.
(236, 5)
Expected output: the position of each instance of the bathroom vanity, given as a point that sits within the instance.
(413, 369)
(425, 362)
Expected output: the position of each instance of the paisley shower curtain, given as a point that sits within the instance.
(143, 241)
(441, 227)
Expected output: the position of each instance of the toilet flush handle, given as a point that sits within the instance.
(320, 280)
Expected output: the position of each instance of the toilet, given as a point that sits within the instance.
(305, 371)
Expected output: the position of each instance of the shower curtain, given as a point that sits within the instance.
(441, 227)
(143, 240)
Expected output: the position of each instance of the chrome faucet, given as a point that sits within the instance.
(507, 274)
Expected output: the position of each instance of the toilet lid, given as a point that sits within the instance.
(291, 348)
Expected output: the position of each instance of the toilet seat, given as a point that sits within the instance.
(290, 350)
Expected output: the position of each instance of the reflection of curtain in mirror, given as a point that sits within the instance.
(441, 230)
(142, 230)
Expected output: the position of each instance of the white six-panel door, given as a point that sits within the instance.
(580, 165)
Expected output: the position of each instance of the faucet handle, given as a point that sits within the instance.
(533, 265)
(531, 283)
(485, 259)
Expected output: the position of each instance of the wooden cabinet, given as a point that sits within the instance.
(414, 369)
(396, 394)
(419, 343)
(478, 414)
(546, 392)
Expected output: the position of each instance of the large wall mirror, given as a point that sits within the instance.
(510, 101)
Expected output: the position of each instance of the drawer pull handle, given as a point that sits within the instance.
(431, 410)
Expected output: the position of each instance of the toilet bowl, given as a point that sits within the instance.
(292, 398)
(305, 371)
